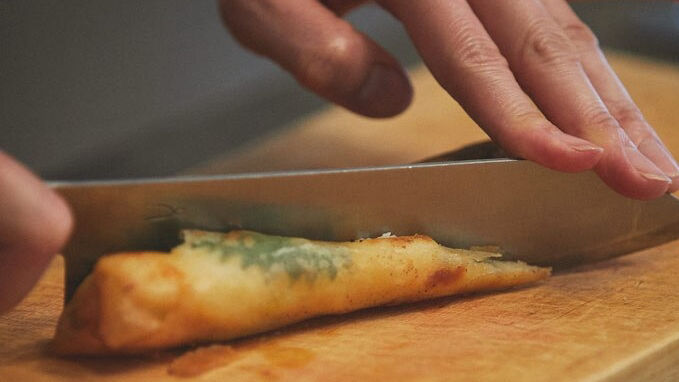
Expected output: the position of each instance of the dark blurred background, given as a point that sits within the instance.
(112, 89)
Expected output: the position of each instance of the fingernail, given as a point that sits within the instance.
(674, 172)
(587, 148)
(673, 187)
(645, 167)
(659, 154)
(385, 92)
(579, 144)
(657, 177)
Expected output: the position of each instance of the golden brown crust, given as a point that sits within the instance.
(222, 286)
(78, 324)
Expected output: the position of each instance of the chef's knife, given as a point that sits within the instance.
(532, 213)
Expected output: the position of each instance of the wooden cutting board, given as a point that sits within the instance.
(612, 321)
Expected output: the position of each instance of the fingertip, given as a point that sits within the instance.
(351, 70)
(59, 217)
(674, 186)
(37, 223)
(556, 150)
(652, 188)
(385, 92)
(23, 261)
(568, 159)
(641, 189)
(622, 176)
(325, 53)
(583, 156)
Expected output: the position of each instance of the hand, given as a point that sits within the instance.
(34, 225)
(529, 72)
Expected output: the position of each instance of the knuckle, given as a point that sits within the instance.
(623, 138)
(598, 124)
(475, 52)
(626, 113)
(523, 123)
(476, 55)
(581, 35)
(640, 134)
(525, 115)
(547, 44)
(599, 116)
(640, 138)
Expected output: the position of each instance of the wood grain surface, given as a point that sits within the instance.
(611, 321)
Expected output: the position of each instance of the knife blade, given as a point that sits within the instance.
(532, 213)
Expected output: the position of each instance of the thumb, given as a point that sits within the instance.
(34, 225)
